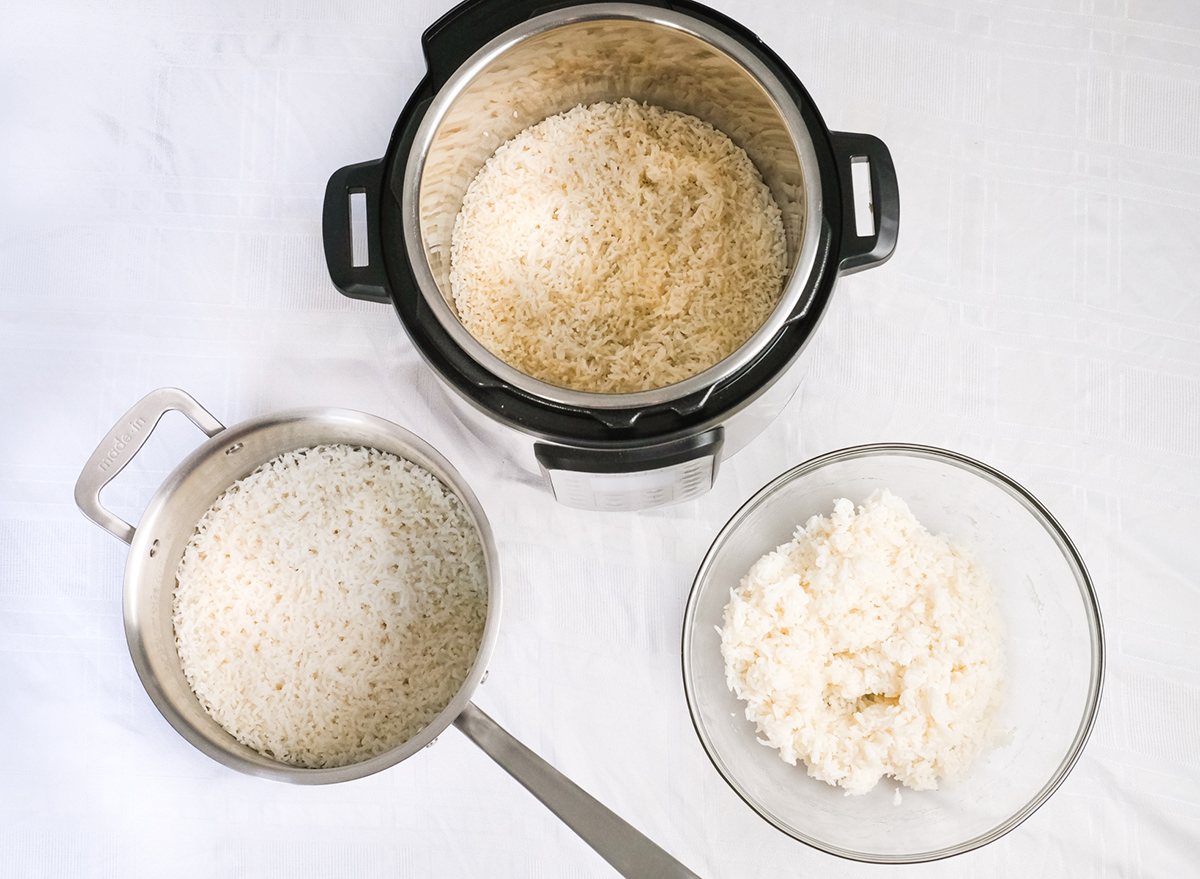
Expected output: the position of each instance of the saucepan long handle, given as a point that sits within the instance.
(632, 854)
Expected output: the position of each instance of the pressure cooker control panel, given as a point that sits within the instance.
(632, 477)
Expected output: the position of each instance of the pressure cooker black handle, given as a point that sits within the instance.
(369, 281)
(863, 252)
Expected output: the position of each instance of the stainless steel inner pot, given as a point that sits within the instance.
(605, 52)
(156, 546)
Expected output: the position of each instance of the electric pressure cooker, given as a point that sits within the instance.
(494, 69)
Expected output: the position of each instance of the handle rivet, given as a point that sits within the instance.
(236, 447)
(154, 549)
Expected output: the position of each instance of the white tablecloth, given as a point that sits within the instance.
(162, 166)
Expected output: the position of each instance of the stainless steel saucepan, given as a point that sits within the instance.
(158, 541)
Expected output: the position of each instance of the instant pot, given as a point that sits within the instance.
(496, 68)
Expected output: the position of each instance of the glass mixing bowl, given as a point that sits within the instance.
(1054, 653)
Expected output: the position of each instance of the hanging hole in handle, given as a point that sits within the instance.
(358, 228)
(864, 203)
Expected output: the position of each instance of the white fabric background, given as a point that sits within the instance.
(162, 166)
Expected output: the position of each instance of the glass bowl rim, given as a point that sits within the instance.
(1052, 527)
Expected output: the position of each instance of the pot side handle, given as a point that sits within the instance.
(865, 252)
(367, 282)
(633, 855)
(123, 442)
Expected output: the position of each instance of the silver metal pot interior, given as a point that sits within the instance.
(167, 525)
(605, 52)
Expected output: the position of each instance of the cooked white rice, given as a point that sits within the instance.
(330, 604)
(868, 647)
(617, 248)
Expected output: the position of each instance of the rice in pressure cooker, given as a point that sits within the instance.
(617, 248)
(867, 647)
(330, 604)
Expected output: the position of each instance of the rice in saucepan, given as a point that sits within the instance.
(616, 248)
(330, 604)
(868, 647)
